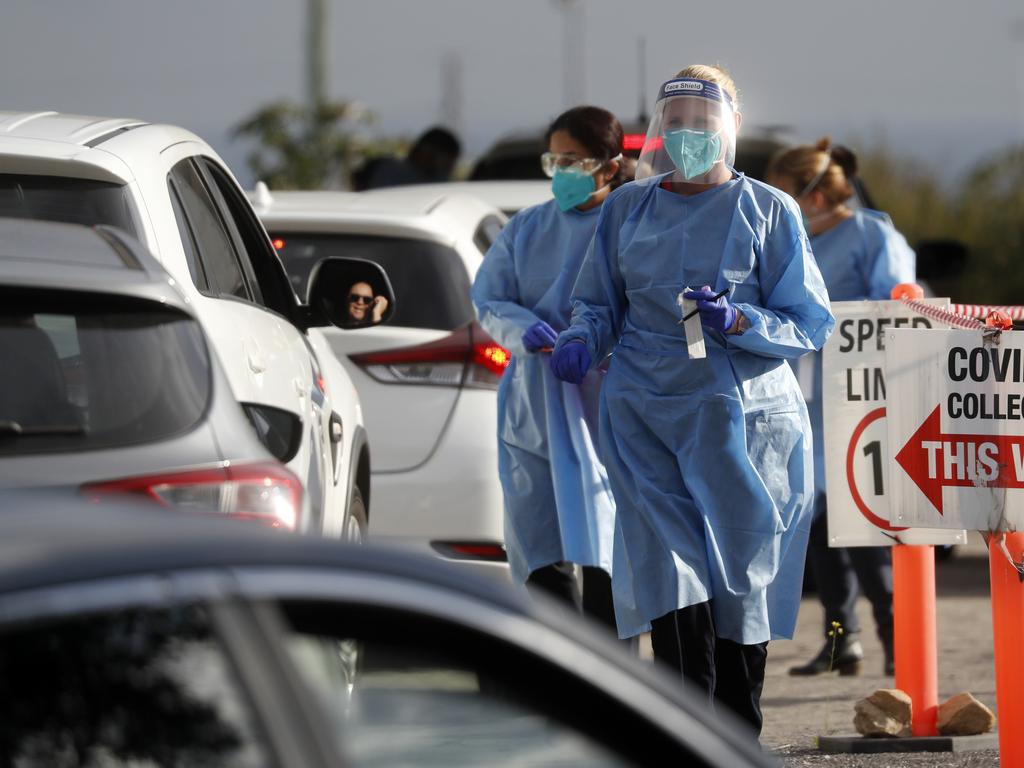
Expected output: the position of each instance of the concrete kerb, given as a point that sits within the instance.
(857, 744)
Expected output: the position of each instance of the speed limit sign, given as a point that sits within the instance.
(856, 442)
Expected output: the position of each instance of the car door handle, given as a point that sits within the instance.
(255, 357)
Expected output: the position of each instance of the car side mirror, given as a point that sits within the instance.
(279, 430)
(350, 293)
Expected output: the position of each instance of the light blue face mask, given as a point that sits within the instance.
(572, 187)
(692, 152)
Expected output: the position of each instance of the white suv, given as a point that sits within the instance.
(169, 189)
(428, 379)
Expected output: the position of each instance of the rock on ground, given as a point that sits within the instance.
(964, 715)
(886, 712)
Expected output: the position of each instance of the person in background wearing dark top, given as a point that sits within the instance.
(432, 158)
(862, 257)
(363, 306)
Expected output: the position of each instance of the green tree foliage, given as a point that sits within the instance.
(301, 147)
(984, 211)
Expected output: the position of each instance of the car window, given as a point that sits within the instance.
(429, 279)
(87, 371)
(216, 249)
(245, 241)
(68, 200)
(487, 233)
(188, 241)
(138, 688)
(412, 690)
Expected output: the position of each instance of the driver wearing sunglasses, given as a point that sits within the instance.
(362, 302)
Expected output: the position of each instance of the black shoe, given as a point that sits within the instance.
(848, 659)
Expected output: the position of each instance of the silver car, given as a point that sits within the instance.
(136, 637)
(109, 384)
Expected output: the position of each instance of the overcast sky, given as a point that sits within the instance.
(941, 80)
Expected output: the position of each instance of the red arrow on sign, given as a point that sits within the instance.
(935, 460)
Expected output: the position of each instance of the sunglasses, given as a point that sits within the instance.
(358, 298)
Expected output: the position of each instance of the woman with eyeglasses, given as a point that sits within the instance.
(363, 306)
(861, 256)
(703, 428)
(558, 508)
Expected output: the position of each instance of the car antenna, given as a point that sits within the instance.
(261, 197)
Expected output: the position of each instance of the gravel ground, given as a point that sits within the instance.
(797, 710)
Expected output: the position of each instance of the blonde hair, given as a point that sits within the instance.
(716, 75)
(821, 166)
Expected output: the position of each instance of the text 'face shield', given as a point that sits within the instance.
(692, 128)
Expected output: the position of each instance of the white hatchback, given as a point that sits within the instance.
(169, 189)
(428, 379)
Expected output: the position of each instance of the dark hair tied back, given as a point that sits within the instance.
(598, 130)
(845, 159)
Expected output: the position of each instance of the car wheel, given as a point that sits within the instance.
(354, 529)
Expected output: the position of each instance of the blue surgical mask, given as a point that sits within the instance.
(692, 152)
(572, 187)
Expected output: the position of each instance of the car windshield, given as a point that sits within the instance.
(429, 279)
(68, 200)
(95, 371)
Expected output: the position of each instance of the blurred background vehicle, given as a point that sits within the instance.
(427, 379)
(138, 636)
(110, 385)
(167, 187)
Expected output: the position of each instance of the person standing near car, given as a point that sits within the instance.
(861, 256)
(703, 428)
(558, 506)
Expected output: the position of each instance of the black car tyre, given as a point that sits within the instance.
(354, 529)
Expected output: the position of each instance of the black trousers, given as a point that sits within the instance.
(559, 581)
(841, 573)
(730, 674)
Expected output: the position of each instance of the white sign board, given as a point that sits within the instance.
(958, 435)
(855, 439)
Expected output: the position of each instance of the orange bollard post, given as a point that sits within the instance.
(907, 291)
(1008, 629)
(916, 638)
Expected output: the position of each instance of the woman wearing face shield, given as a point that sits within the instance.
(861, 256)
(558, 506)
(709, 458)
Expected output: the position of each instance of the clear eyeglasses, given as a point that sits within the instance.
(551, 161)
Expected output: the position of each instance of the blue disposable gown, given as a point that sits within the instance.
(709, 459)
(558, 502)
(861, 258)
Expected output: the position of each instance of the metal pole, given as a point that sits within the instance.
(641, 55)
(573, 53)
(316, 53)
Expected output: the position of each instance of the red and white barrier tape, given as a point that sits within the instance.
(944, 315)
(983, 310)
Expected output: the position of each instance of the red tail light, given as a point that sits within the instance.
(633, 141)
(471, 550)
(466, 358)
(267, 492)
(651, 146)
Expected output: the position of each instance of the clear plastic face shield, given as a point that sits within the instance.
(692, 132)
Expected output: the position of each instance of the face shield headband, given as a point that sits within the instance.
(692, 128)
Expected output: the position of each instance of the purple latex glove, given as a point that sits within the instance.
(716, 313)
(538, 336)
(571, 362)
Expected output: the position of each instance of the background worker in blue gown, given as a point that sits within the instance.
(861, 256)
(709, 457)
(558, 504)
